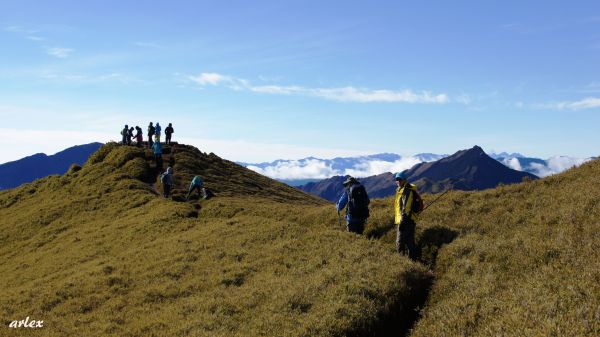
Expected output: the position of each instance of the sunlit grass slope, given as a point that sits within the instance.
(525, 260)
(97, 252)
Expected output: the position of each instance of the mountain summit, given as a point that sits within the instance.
(470, 169)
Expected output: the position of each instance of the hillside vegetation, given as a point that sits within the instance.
(518, 260)
(97, 252)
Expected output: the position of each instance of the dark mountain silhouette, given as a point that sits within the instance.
(467, 170)
(39, 165)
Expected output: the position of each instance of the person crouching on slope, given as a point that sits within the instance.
(167, 180)
(198, 185)
(404, 216)
(356, 198)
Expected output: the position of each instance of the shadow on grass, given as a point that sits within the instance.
(404, 311)
(431, 240)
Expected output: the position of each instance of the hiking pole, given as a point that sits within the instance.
(436, 199)
(339, 219)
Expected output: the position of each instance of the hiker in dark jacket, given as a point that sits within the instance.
(158, 155)
(357, 201)
(124, 134)
(168, 131)
(404, 217)
(167, 180)
(150, 135)
(139, 138)
(129, 135)
(198, 185)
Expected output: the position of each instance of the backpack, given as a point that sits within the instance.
(417, 205)
(358, 202)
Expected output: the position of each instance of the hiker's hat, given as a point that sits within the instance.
(402, 175)
(349, 180)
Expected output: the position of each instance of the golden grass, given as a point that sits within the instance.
(97, 252)
(526, 261)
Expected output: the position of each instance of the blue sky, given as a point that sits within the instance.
(261, 80)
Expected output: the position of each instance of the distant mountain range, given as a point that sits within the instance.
(302, 171)
(470, 169)
(39, 165)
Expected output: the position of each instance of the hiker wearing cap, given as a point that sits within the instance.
(198, 185)
(356, 201)
(151, 132)
(158, 155)
(167, 180)
(404, 216)
(168, 131)
(124, 133)
(157, 130)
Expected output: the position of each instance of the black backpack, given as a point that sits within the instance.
(358, 202)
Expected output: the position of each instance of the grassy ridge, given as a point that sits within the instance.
(525, 263)
(97, 253)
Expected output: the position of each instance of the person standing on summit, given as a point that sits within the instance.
(124, 133)
(138, 136)
(129, 135)
(356, 198)
(168, 131)
(151, 132)
(157, 130)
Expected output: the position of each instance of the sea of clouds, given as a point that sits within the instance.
(314, 168)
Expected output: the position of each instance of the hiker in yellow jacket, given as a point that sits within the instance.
(404, 216)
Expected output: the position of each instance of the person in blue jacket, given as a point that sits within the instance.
(157, 131)
(357, 201)
(158, 155)
(198, 185)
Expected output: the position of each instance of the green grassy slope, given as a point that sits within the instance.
(526, 260)
(97, 252)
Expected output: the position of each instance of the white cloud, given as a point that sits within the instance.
(340, 94)
(294, 169)
(59, 52)
(586, 103)
(320, 169)
(374, 167)
(556, 165)
(210, 79)
(513, 163)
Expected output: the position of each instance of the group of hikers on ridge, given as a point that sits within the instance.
(153, 132)
(166, 178)
(407, 205)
